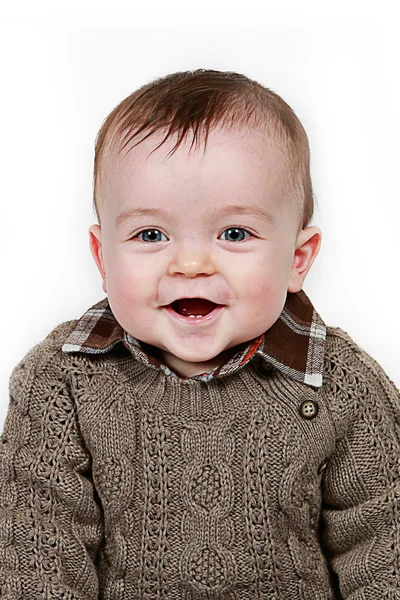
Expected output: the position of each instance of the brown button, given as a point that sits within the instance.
(262, 367)
(308, 409)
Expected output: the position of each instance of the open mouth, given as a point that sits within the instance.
(193, 307)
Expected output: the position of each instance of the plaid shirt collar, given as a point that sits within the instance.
(295, 343)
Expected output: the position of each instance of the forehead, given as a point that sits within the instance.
(242, 162)
(258, 144)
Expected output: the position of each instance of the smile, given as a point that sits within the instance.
(195, 320)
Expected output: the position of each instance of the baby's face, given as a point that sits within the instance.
(202, 244)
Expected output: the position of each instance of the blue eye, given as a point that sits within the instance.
(154, 233)
(237, 233)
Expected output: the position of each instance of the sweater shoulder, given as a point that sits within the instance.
(341, 346)
(58, 335)
(343, 352)
(49, 350)
(337, 336)
(53, 342)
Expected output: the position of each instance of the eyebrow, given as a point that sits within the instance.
(242, 209)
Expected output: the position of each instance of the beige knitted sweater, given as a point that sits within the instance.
(119, 483)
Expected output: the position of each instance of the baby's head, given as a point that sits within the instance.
(226, 221)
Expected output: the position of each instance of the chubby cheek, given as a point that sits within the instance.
(262, 294)
(130, 289)
(263, 282)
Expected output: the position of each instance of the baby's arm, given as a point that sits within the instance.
(50, 523)
(361, 489)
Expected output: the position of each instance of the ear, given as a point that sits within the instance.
(307, 247)
(95, 245)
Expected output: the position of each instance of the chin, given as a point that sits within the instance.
(196, 359)
(193, 357)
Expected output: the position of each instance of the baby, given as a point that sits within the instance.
(201, 433)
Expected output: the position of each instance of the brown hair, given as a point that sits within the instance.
(198, 101)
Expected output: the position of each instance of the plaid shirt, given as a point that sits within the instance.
(294, 344)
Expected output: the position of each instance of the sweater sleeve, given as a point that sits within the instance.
(50, 523)
(361, 483)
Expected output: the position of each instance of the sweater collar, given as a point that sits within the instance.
(294, 344)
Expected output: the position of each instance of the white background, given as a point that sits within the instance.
(64, 68)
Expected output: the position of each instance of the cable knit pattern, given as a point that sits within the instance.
(207, 564)
(118, 482)
(155, 437)
(50, 525)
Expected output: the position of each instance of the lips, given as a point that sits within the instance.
(193, 306)
(192, 321)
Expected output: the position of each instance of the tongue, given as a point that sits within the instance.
(193, 306)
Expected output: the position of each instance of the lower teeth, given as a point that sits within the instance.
(195, 316)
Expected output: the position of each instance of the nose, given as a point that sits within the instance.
(192, 260)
